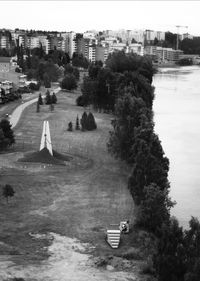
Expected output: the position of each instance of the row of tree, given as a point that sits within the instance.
(49, 67)
(87, 122)
(177, 254)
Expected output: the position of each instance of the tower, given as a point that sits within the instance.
(46, 138)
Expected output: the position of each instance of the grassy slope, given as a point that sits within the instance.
(74, 201)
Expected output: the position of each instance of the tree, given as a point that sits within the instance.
(34, 87)
(192, 246)
(84, 121)
(169, 260)
(91, 124)
(4, 142)
(128, 112)
(7, 131)
(40, 100)
(53, 98)
(69, 69)
(77, 123)
(80, 61)
(8, 191)
(48, 97)
(69, 82)
(70, 127)
(89, 91)
(149, 163)
(154, 209)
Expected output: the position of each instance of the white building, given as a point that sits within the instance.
(117, 47)
(160, 35)
(33, 42)
(92, 53)
(70, 43)
(45, 42)
(136, 48)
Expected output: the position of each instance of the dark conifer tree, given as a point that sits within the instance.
(48, 97)
(40, 100)
(77, 123)
(7, 131)
(84, 121)
(91, 124)
(53, 98)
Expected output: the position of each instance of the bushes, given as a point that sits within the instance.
(82, 100)
(34, 87)
(88, 122)
(91, 124)
(69, 82)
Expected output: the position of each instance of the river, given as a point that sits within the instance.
(177, 122)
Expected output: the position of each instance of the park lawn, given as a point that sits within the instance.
(79, 200)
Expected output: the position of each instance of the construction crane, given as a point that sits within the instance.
(178, 26)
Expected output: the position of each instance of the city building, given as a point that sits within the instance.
(136, 48)
(45, 42)
(92, 53)
(160, 54)
(70, 43)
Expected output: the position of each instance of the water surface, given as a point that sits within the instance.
(177, 122)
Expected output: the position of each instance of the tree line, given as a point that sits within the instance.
(102, 86)
(133, 140)
(49, 67)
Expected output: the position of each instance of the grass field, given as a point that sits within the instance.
(79, 200)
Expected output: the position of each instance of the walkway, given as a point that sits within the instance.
(14, 118)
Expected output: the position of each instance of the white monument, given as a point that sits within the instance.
(46, 138)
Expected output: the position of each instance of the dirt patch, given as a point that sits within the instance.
(68, 261)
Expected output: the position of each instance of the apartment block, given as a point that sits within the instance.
(162, 54)
(136, 48)
(70, 43)
(45, 42)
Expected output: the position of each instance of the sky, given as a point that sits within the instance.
(80, 16)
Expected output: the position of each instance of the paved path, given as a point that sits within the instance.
(14, 118)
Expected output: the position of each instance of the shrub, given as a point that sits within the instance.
(70, 127)
(84, 121)
(90, 124)
(34, 87)
(40, 100)
(53, 98)
(81, 101)
(69, 82)
(8, 191)
(48, 97)
(77, 123)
